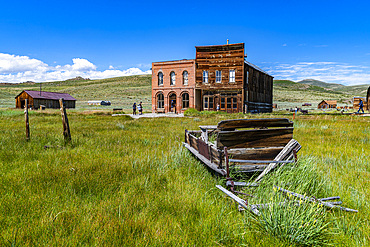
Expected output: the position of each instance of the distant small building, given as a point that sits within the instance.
(327, 104)
(41, 98)
(99, 102)
(356, 102)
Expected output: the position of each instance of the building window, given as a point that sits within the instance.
(160, 101)
(185, 77)
(173, 78)
(218, 76)
(232, 75)
(208, 101)
(205, 76)
(185, 100)
(160, 78)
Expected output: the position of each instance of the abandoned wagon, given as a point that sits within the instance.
(41, 98)
(250, 145)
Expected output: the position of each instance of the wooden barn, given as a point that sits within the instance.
(41, 98)
(356, 102)
(219, 78)
(327, 104)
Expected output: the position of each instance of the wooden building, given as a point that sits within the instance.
(41, 98)
(327, 104)
(218, 79)
(356, 103)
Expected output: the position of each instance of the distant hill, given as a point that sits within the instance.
(333, 86)
(357, 90)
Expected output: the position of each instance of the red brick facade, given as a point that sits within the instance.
(180, 92)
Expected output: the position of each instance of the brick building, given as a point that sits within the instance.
(218, 78)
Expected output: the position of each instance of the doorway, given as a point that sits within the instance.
(229, 102)
(172, 102)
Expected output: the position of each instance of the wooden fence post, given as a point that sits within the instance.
(66, 131)
(27, 120)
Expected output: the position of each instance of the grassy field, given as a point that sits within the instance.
(125, 182)
(121, 91)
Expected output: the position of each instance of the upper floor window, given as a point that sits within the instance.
(232, 75)
(160, 78)
(173, 78)
(185, 77)
(218, 76)
(205, 76)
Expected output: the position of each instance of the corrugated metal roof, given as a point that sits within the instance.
(256, 67)
(49, 95)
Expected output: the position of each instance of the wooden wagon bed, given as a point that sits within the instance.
(252, 145)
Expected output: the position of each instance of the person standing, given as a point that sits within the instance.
(361, 106)
(140, 108)
(134, 109)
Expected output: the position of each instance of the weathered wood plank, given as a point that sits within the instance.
(239, 200)
(66, 130)
(261, 161)
(192, 141)
(254, 123)
(244, 184)
(283, 155)
(27, 120)
(311, 199)
(329, 198)
(254, 138)
(204, 160)
(254, 154)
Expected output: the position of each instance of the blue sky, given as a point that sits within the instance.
(295, 40)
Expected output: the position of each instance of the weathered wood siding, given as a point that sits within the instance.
(20, 100)
(258, 90)
(221, 58)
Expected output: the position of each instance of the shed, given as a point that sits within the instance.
(326, 104)
(47, 99)
(356, 102)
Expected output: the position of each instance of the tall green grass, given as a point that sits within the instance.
(288, 218)
(124, 182)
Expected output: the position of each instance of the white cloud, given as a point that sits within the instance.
(13, 64)
(284, 45)
(330, 72)
(16, 69)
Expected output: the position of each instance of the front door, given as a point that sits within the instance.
(172, 102)
(208, 103)
(229, 103)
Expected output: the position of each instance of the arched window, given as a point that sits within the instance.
(160, 101)
(160, 78)
(185, 77)
(173, 78)
(185, 100)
